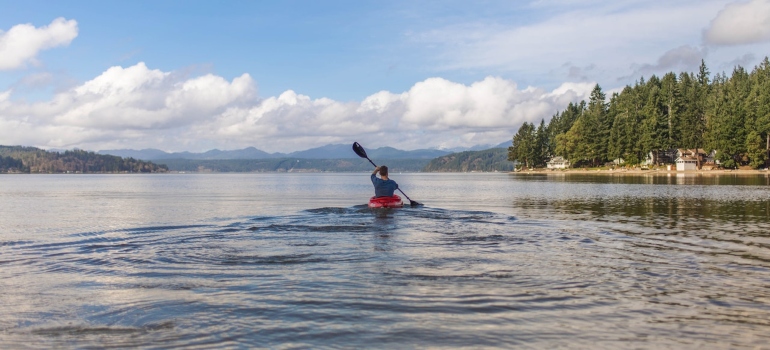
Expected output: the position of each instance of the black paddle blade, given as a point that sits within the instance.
(415, 204)
(359, 150)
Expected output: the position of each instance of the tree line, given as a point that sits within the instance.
(18, 159)
(695, 111)
(494, 159)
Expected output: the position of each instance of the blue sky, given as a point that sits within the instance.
(344, 50)
(290, 75)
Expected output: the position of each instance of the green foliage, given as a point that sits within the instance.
(561, 123)
(597, 124)
(727, 114)
(35, 160)
(494, 159)
(523, 145)
(12, 165)
(530, 147)
(540, 152)
(754, 150)
(655, 126)
(671, 99)
(726, 130)
(569, 144)
(757, 109)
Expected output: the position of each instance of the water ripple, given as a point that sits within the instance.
(392, 278)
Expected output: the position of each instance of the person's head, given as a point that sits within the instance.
(383, 171)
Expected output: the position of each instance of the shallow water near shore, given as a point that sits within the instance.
(298, 261)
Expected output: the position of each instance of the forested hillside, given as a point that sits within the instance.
(18, 159)
(728, 114)
(494, 159)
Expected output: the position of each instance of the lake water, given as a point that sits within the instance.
(297, 261)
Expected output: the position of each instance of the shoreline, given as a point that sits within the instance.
(637, 172)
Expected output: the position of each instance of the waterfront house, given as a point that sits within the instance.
(684, 163)
(711, 158)
(699, 154)
(558, 163)
(659, 157)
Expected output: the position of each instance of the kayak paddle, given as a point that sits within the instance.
(362, 153)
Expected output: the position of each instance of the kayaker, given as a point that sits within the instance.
(383, 187)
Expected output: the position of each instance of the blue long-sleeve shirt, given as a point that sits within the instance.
(383, 188)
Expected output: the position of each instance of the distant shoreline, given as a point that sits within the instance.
(635, 172)
(604, 172)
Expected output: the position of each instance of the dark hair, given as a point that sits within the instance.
(383, 171)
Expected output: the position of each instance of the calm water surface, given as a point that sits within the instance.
(297, 261)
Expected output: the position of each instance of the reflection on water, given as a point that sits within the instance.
(669, 212)
(654, 178)
(493, 260)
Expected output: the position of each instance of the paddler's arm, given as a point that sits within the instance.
(374, 176)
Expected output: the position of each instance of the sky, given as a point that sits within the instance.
(291, 75)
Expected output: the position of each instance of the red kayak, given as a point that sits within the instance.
(386, 202)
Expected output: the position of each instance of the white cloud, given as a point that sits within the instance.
(740, 23)
(138, 107)
(438, 104)
(134, 105)
(139, 98)
(434, 112)
(615, 36)
(21, 44)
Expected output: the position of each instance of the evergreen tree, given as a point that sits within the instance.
(726, 123)
(597, 126)
(562, 122)
(523, 147)
(655, 133)
(619, 111)
(688, 128)
(569, 144)
(672, 102)
(757, 107)
(541, 153)
(702, 92)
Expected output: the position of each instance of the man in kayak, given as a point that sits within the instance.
(383, 187)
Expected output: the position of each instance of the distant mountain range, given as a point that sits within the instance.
(338, 151)
(156, 154)
(330, 158)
